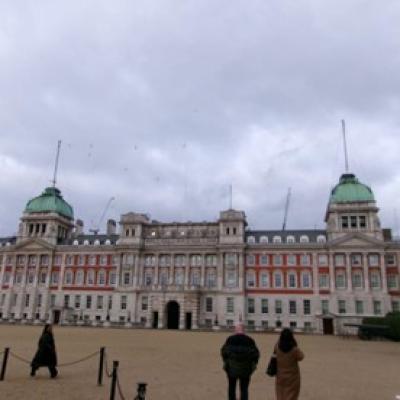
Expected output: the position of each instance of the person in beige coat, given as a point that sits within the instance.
(287, 383)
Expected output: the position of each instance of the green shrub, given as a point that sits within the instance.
(391, 320)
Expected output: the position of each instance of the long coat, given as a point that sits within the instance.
(240, 355)
(287, 383)
(46, 353)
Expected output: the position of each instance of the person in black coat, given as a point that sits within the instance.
(46, 355)
(240, 355)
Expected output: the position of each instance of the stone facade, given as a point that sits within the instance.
(197, 275)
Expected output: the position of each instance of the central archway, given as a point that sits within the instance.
(173, 315)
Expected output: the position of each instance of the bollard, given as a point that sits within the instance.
(114, 379)
(141, 391)
(101, 365)
(4, 365)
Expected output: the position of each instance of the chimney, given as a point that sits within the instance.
(111, 227)
(78, 227)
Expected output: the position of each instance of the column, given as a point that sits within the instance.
(315, 283)
(367, 288)
(195, 314)
(383, 274)
(187, 271)
(171, 270)
(349, 287)
(220, 271)
(203, 271)
(181, 316)
(156, 270)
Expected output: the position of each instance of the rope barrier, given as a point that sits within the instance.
(120, 390)
(24, 360)
(108, 373)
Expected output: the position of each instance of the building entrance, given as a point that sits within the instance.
(328, 326)
(173, 315)
(188, 321)
(155, 320)
(56, 317)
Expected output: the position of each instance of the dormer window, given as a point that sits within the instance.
(264, 239)
(321, 239)
(251, 239)
(277, 239)
(75, 242)
(304, 239)
(290, 239)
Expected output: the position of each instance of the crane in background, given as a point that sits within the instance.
(286, 208)
(96, 229)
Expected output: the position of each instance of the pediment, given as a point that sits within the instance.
(33, 245)
(356, 240)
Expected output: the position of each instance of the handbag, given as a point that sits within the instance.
(272, 367)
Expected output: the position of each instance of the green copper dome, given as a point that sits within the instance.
(349, 189)
(50, 201)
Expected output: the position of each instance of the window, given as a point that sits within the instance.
(66, 300)
(164, 276)
(305, 259)
(250, 306)
(54, 277)
(340, 281)
(99, 304)
(209, 304)
(92, 260)
(321, 239)
(109, 302)
(362, 221)
(18, 278)
(392, 281)
(277, 280)
(323, 280)
(123, 303)
(211, 277)
(32, 261)
(290, 239)
(115, 260)
(264, 324)
(292, 307)
(342, 306)
(90, 277)
(353, 221)
(68, 277)
(79, 277)
(264, 279)
(27, 298)
(251, 239)
(57, 260)
(230, 306)
(375, 280)
(145, 303)
(339, 260)
(81, 260)
(69, 260)
(291, 259)
(101, 278)
(357, 280)
(307, 307)
(103, 260)
(263, 239)
(148, 277)
(230, 276)
(278, 306)
(304, 239)
(44, 259)
(355, 259)
(179, 276)
(377, 307)
(325, 306)
(211, 260)
(52, 300)
(113, 278)
(20, 260)
(373, 260)
(250, 279)
(306, 280)
(14, 300)
(149, 260)
(277, 259)
(390, 259)
(322, 259)
(292, 325)
(231, 259)
(264, 259)
(359, 307)
(250, 260)
(77, 301)
(195, 277)
(277, 239)
(396, 306)
(292, 280)
(264, 306)
(31, 276)
(88, 302)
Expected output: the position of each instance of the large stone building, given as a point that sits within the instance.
(209, 274)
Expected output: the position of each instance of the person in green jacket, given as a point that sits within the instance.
(240, 356)
(46, 355)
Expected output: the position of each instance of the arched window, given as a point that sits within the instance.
(101, 277)
(108, 242)
(321, 239)
(96, 242)
(90, 277)
(306, 280)
(264, 239)
(290, 239)
(69, 276)
(75, 242)
(292, 280)
(304, 239)
(251, 239)
(250, 279)
(86, 242)
(277, 239)
(277, 280)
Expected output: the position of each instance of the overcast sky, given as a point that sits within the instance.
(164, 104)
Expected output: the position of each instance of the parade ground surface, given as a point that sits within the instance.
(187, 365)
